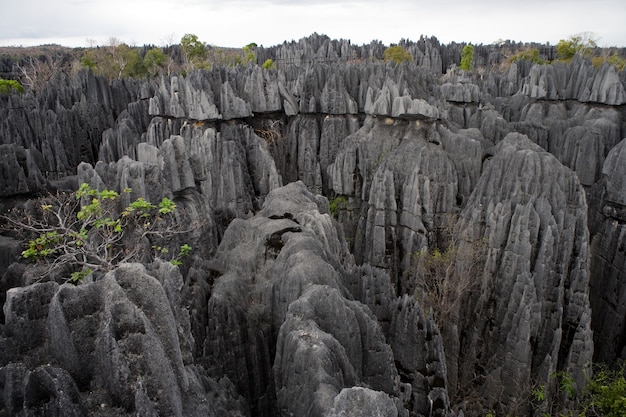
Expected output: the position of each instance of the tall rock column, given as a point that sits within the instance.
(524, 312)
(608, 258)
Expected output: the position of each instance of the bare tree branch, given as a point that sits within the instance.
(90, 230)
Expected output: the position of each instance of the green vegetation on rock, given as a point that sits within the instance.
(531, 54)
(10, 87)
(397, 54)
(467, 58)
(336, 204)
(268, 64)
(194, 52)
(89, 230)
(582, 44)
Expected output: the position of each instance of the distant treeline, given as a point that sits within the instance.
(32, 67)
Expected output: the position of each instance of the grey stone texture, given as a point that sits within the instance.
(309, 191)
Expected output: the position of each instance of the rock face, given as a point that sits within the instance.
(608, 260)
(400, 182)
(309, 299)
(64, 123)
(279, 323)
(576, 81)
(530, 213)
(19, 170)
(213, 177)
(287, 276)
(116, 344)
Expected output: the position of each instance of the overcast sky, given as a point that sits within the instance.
(270, 22)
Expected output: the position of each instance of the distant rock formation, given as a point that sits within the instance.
(575, 81)
(63, 125)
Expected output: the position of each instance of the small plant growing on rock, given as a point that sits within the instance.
(613, 59)
(90, 231)
(11, 87)
(438, 282)
(604, 394)
(531, 54)
(338, 203)
(397, 54)
(268, 64)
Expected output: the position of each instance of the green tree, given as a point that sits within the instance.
(249, 56)
(397, 54)
(581, 44)
(154, 61)
(90, 230)
(88, 61)
(100, 61)
(194, 50)
(116, 60)
(467, 58)
(127, 61)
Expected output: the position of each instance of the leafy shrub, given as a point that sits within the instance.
(607, 392)
(338, 203)
(10, 87)
(603, 395)
(439, 284)
(89, 231)
(268, 64)
(531, 54)
(614, 59)
(397, 54)
(618, 61)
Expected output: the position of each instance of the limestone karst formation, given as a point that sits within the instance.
(313, 193)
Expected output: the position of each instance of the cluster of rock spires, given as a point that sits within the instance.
(290, 307)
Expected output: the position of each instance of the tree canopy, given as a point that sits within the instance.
(91, 230)
(582, 44)
(467, 58)
(397, 54)
(194, 50)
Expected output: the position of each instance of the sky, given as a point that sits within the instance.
(80, 23)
